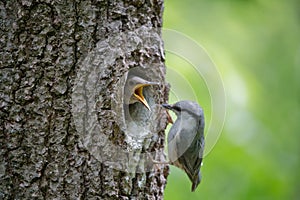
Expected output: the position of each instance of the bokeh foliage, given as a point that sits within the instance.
(256, 46)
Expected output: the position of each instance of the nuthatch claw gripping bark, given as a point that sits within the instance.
(186, 139)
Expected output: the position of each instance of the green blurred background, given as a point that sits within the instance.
(255, 45)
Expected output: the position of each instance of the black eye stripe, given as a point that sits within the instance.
(176, 108)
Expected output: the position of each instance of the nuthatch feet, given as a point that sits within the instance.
(134, 90)
(186, 139)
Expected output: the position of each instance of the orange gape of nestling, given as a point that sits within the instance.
(134, 90)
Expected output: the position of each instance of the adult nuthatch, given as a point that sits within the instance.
(186, 139)
(134, 90)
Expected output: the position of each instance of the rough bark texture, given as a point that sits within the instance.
(43, 46)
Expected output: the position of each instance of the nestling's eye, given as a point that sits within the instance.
(131, 82)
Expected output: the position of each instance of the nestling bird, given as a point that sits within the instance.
(134, 90)
(186, 139)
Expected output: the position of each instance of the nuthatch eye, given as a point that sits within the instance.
(134, 90)
(186, 139)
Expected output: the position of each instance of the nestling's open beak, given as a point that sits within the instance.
(138, 93)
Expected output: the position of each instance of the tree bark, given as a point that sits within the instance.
(65, 133)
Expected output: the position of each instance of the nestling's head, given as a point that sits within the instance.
(134, 90)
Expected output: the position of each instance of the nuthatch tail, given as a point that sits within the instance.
(134, 90)
(186, 139)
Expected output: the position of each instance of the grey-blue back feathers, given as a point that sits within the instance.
(186, 139)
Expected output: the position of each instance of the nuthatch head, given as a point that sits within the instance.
(186, 139)
(134, 90)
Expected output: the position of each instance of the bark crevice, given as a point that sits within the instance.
(43, 48)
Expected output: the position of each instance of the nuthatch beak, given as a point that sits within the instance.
(134, 90)
(167, 106)
(186, 139)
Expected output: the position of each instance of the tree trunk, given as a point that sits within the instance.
(66, 132)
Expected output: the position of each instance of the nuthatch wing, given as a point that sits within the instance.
(186, 139)
(134, 90)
